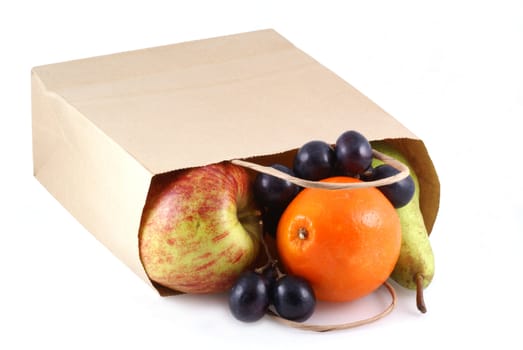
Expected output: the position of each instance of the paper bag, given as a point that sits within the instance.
(104, 127)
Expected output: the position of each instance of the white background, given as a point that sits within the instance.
(451, 71)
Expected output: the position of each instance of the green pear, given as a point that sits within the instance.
(415, 266)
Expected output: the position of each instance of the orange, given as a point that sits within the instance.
(344, 242)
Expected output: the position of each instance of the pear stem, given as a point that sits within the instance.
(420, 302)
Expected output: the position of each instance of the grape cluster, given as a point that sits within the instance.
(350, 156)
(316, 160)
(253, 293)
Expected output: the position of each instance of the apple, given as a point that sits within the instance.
(201, 230)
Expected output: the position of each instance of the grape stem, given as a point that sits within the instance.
(271, 262)
(420, 302)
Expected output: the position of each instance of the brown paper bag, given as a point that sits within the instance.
(103, 127)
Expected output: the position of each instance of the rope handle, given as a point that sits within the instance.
(402, 168)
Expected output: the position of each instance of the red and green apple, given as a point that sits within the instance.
(201, 230)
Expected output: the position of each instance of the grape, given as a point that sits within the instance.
(353, 153)
(314, 161)
(399, 193)
(249, 297)
(293, 298)
(270, 219)
(271, 191)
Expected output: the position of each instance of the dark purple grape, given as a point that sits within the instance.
(353, 153)
(271, 191)
(293, 298)
(249, 297)
(399, 193)
(314, 160)
(270, 218)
